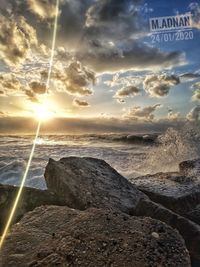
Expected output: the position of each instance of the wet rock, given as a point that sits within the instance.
(30, 199)
(88, 182)
(176, 191)
(94, 237)
(190, 167)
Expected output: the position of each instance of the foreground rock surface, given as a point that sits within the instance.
(178, 191)
(88, 182)
(30, 199)
(60, 236)
(188, 229)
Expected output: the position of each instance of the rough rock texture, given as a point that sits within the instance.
(190, 167)
(188, 229)
(194, 215)
(59, 236)
(89, 182)
(30, 199)
(178, 191)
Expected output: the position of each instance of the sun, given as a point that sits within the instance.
(42, 112)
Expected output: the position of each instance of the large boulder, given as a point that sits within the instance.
(30, 199)
(188, 229)
(59, 236)
(194, 214)
(178, 191)
(88, 182)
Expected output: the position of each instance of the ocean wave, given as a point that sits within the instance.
(174, 146)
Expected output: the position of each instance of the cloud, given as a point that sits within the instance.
(16, 39)
(160, 85)
(2, 114)
(9, 84)
(190, 76)
(130, 90)
(38, 87)
(105, 35)
(80, 103)
(45, 9)
(31, 96)
(144, 113)
(173, 116)
(196, 87)
(194, 114)
(196, 96)
(83, 125)
(115, 19)
(35, 88)
(195, 9)
(121, 101)
(137, 56)
(77, 79)
(124, 80)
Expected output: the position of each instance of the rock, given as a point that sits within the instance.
(90, 182)
(30, 199)
(194, 214)
(190, 167)
(173, 190)
(189, 230)
(60, 236)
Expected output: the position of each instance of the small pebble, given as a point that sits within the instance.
(156, 235)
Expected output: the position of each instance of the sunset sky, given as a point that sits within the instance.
(107, 74)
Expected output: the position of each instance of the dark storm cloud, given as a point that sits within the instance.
(138, 57)
(114, 19)
(96, 33)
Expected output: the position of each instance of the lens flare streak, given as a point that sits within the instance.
(12, 213)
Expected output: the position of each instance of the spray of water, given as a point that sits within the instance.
(174, 146)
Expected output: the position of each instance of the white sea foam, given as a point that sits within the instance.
(130, 156)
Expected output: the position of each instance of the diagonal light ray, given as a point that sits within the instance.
(14, 207)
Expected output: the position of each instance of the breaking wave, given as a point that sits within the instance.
(174, 146)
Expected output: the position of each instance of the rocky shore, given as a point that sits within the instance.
(92, 216)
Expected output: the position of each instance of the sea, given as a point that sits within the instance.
(132, 155)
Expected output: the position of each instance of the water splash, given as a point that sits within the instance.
(174, 146)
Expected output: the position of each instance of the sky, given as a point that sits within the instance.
(109, 74)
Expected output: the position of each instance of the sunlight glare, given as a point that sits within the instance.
(42, 112)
